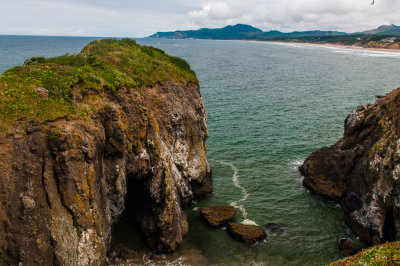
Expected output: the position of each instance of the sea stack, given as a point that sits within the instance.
(362, 170)
(115, 119)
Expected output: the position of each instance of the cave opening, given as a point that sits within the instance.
(126, 233)
(389, 227)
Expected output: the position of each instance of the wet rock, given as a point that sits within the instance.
(361, 171)
(246, 233)
(218, 215)
(346, 247)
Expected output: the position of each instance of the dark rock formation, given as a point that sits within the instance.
(274, 228)
(63, 183)
(246, 233)
(361, 171)
(346, 247)
(219, 215)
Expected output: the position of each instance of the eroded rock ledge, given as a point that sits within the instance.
(63, 183)
(361, 171)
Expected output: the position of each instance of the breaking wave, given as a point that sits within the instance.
(245, 193)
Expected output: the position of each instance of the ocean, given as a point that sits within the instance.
(269, 106)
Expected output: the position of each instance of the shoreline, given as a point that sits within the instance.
(335, 45)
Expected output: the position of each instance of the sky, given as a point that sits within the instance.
(140, 18)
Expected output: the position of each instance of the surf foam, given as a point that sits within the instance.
(296, 164)
(245, 193)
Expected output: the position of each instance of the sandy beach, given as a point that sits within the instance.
(353, 47)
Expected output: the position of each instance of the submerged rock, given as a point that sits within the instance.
(362, 170)
(246, 233)
(274, 228)
(218, 215)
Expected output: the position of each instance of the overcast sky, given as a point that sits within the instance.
(139, 18)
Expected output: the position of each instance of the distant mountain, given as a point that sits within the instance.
(384, 30)
(240, 32)
(313, 33)
(247, 32)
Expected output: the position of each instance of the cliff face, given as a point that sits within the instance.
(64, 181)
(361, 171)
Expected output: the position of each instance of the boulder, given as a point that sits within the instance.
(42, 92)
(218, 215)
(246, 233)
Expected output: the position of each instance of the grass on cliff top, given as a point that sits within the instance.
(102, 65)
(384, 254)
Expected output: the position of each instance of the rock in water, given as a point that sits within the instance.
(246, 233)
(362, 170)
(109, 131)
(274, 228)
(218, 215)
(346, 247)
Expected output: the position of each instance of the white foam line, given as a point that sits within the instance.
(245, 193)
(296, 164)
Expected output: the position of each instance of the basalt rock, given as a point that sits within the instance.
(361, 171)
(64, 183)
(246, 233)
(218, 215)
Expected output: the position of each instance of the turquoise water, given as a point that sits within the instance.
(268, 106)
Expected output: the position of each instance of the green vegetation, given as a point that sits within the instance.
(55, 139)
(385, 254)
(102, 65)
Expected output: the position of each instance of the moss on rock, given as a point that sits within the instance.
(71, 80)
(384, 254)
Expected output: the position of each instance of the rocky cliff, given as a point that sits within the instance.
(361, 171)
(79, 133)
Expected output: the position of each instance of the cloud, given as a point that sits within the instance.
(84, 18)
(216, 12)
(138, 18)
(290, 15)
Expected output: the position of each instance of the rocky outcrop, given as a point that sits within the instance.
(64, 182)
(361, 171)
(246, 233)
(219, 215)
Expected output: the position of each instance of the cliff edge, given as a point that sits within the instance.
(78, 133)
(361, 171)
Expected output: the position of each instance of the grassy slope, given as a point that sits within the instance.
(102, 65)
(384, 254)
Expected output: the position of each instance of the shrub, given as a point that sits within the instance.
(34, 60)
